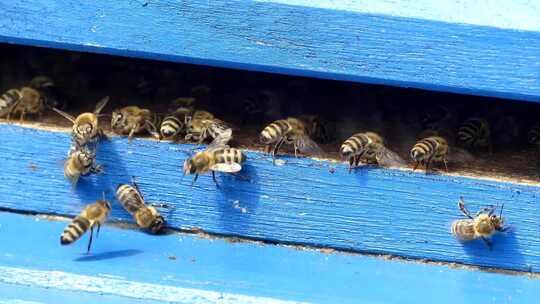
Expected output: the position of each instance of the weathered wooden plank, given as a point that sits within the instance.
(129, 264)
(380, 211)
(491, 49)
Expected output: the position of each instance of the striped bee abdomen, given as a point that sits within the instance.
(74, 230)
(229, 155)
(8, 100)
(463, 229)
(275, 131)
(353, 145)
(130, 198)
(424, 149)
(171, 126)
(472, 130)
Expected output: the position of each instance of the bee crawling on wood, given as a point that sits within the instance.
(433, 148)
(291, 131)
(483, 225)
(92, 215)
(146, 216)
(81, 162)
(24, 101)
(369, 148)
(215, 158)
(203, 125)
(86, 125)
(132, 119)
(475, 133)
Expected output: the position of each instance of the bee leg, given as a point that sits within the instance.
(357, 160)
(214, 178)
(194, 179)
(416, 165)
(351, 162)
(428, 162)
(98, 228)
(461, 205)
(135, 184)
(131, 132)
(488, 243)
(445, 164)
(276, 148)
(90, 240)
(23, 114)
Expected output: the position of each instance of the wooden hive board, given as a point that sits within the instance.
(490, 49)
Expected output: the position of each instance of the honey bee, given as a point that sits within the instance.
(483, 225)
(318, 129)
(174, 123)
(475, 133)
(86, 125)
(52, 96)
(533, 136)
(203, 125)
(81, 162)
(8, 101)
(92, 215)
(215, 158)
(132, 119)
(24, 101)
(369, 148)
(132, 200)
(433, 148)
(291, 131)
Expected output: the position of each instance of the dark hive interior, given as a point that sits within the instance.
(248, 101)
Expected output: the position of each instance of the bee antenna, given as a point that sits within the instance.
(502, 207)
(103, 195)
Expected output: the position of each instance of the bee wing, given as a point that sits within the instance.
(101, 104)
(388, 158)
(458, 155)
(226, 167)
(307, 145)
(214, 145)
(66, 115)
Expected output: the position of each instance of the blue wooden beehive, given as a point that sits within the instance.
(313, 232)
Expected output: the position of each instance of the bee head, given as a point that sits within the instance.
(190, 166)
(117, 118)
(84, 129)
(498, 221)
(157, 224)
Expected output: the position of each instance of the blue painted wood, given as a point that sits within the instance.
(379, 211)
(30, 254)
(491, 49)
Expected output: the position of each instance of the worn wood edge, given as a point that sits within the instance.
(237, 264)
(331, 220)
(55, 128)
(201, 234)
(515, 80)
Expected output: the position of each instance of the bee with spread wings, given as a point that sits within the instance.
(216, 157)
(291, 131)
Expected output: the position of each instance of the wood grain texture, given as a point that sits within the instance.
(127, 264)
(377, 210)
(491, 49)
